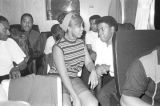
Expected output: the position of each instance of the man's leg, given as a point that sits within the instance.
(106, 92)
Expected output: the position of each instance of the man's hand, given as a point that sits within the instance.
(102, 69)
(15, 73)
(93, 79)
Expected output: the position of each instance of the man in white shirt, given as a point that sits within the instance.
(90, 39)
(104, 55)
(57, 34)
(107, 26)
(49, 44)
(12, 58)
(92, 36)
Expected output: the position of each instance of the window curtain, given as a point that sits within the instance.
(130, 8)
(151, 16)
(122, 9)
(144, 18)
(157, 15)
(115, 10)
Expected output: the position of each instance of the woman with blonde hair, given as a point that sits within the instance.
(69, 55)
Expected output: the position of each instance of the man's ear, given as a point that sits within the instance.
(112, 29)
(1, 27)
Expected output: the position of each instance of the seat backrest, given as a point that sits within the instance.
(43, 39)
(18, 26)
(125, 26)
(128, 46)
(42, 59)
(38, 90)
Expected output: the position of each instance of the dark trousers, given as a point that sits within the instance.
(106, 93)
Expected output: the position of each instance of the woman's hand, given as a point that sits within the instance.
(93, 79)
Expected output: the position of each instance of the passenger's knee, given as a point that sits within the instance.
(103, 95)
(92, 102)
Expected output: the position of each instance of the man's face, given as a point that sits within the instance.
(93, 25)
(27, 23)
(4, 30)
(105, 32)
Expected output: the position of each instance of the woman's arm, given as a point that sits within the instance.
(92, 53)
(58, 58)
(88, 61)
(132, 101)
(93, 78)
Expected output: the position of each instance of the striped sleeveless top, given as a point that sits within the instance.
(74, 55)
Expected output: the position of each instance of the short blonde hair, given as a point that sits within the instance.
(71, 19)
(76, 19)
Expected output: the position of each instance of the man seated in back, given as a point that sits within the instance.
(57, 34)
(142, 85)
(92, 36)
(32, 35)
(28, 39)
(27, 32)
